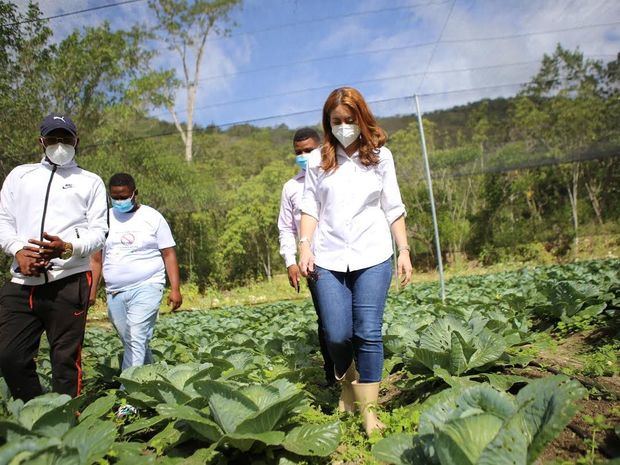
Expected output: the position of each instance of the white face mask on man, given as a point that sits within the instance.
(60, 154)
(346, 133)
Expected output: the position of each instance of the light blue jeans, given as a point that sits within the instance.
(134, 313)
(351, 307)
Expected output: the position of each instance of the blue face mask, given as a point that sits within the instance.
(123, 206)
(302, 161)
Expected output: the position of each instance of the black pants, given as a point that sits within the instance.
(328, 364)
(58, 308)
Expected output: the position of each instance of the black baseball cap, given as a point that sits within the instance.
(57, 121)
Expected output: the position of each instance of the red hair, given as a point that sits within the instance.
(372, 137)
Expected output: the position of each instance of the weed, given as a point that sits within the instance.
(597, 424)
(603, 361)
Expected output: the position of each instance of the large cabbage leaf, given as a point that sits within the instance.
(482, 426)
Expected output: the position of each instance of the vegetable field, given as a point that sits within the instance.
(514, 368)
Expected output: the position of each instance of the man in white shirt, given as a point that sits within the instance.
(53, 216)
(305, 141)
(138, 253)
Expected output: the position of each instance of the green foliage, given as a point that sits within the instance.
(562, 299)
(24, 55)
(602, 361)
(449, 344)
(90, 72)
(597, 425)
(249, 243)
(480, 425)
(230, 385)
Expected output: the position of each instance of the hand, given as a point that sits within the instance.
(294, 276)
(53, 247)
(306, 260)
(92, 299)
(30, 262)
(175, 299)
(404, 268)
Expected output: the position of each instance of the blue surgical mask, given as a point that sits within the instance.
(302, 161)
(123, 206)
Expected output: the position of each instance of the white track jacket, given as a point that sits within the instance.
(64, 201)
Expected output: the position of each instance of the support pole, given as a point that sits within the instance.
(429, 182)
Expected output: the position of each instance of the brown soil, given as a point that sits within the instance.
(390, 390)
(571, 444)
(563, 355)
(566, 356)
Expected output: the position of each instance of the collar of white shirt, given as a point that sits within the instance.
(342, 153)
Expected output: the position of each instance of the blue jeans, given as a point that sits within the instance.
(328, 364)
(351, 306)
(134, 313)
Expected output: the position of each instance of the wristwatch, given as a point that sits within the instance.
(302, 240)
(68, 252)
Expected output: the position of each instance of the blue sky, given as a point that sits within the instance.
(304, 48)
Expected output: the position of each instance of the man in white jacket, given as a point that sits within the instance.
(53, 216)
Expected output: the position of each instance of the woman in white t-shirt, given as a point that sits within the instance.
(352, 200)
(138, 253)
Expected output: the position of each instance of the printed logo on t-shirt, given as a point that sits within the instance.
(128, 239)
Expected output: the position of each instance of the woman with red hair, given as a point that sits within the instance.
(350, 205)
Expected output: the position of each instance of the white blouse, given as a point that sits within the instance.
(354, 206)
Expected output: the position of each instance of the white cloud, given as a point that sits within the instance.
(498, 19)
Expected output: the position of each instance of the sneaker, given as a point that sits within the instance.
(126, 410)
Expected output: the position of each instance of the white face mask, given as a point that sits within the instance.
(60, 154)
(346, 133)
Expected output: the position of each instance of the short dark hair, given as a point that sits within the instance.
(306, 133)
(122, 179)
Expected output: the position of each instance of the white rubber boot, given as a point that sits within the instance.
(347, 400)
(366, 396)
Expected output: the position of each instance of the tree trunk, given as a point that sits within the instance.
(265, 260)
(533, 206)
(189, 137)
(593, 192)
(190, 273)
(573, 191)
(268, 269)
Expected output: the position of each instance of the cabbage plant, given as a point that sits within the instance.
(482, 426)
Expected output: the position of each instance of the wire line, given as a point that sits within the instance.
(532, 33)
(325, 18)
(398, 48)
(430, 60)
(363, 81)
(71, 13)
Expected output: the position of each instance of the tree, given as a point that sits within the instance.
(24, 57)
(185, 25)
(249, 242)
(563, 111)
(92, 70)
